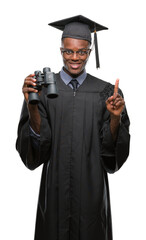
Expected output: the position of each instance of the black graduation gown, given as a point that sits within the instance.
(77, 151)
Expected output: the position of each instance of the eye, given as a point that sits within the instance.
(82, 52)
(68, 51)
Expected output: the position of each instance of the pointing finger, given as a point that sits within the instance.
(116, 86)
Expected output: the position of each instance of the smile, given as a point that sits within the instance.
(74, 65)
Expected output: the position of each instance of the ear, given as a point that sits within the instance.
(88, 55)
(61, 50)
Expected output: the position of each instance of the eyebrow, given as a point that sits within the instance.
(77, 50)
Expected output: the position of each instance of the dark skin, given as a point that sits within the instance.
(74, 65)
(34, 115)
(115, 105)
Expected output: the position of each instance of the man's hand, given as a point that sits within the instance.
(115, 104)
(34, 115)
(26, 89)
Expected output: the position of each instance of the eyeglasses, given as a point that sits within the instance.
(80, 52)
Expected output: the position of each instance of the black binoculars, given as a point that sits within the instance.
(46, 79)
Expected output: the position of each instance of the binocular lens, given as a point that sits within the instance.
(52, 91)
(33, 98)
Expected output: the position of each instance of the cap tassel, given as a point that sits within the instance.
(96, 50)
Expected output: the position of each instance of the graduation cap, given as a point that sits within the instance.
(80, 27)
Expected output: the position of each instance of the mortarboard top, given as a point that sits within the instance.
(79, 27)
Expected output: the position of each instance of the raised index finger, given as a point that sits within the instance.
(116, 86)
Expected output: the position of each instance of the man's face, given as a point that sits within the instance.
(75, 53)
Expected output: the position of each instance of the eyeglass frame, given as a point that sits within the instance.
(86, 51)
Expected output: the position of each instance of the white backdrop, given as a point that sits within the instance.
(28, 44)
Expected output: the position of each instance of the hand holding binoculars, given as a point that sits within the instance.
(46, 79)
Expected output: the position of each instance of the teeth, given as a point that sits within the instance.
(74, 65)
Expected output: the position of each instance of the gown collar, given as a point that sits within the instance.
(67, 78)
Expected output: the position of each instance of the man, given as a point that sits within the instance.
(79, 136)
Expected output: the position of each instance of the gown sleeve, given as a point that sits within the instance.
(114, 153)
(33, 152)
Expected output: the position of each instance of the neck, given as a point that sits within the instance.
(73, 75)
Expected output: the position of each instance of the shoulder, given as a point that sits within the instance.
(103, 86)
(57, 75)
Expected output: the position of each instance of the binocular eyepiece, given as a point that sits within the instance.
(46, 79)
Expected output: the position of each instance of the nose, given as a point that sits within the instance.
(75, 56)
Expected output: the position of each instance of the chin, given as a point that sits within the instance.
(73, 72)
